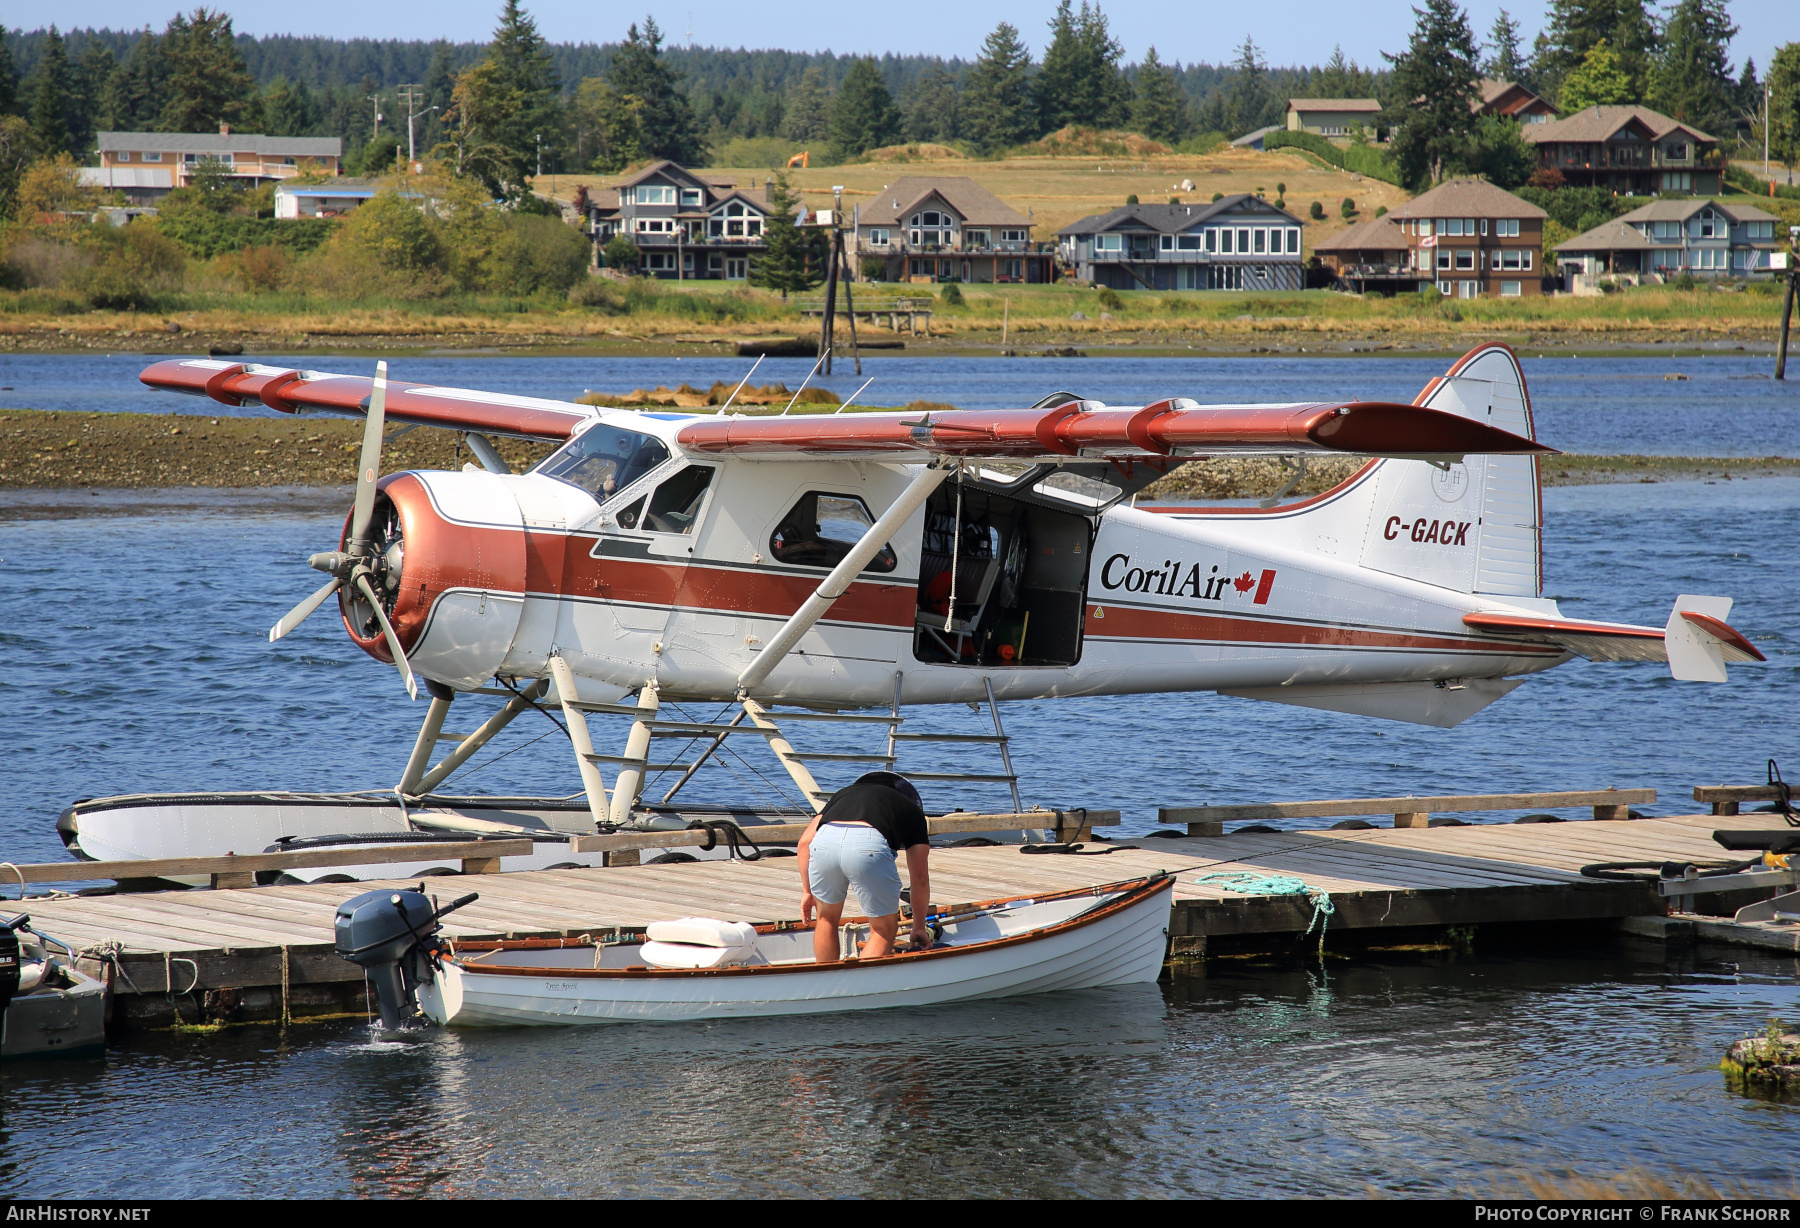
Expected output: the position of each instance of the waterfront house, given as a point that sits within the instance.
(1474, 240)
(1371, 256)
(330, 198)
(686, 227)
(1332, 116)
(1239, 242)
(925, 228)
(1630, 151)
(1666, 238)
(1512, 100)
(146, 166)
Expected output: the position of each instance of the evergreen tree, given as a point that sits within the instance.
(9, 76)
(1335, 80)
(1597, 81)
(1504, 63)
(1576, 25)
(997, 106)
(15, 157)
(863, 116)
(502, 107)
(88, 101)
(207, 83)
(607, 134)
(51, 101)
(1432, 120)
(1245, 101)
(288, 108)
(1693, 71)
(664, 115)
(792, 263)
(930, 107)
(808, 115)
(1160, 112)
(132, 99)
(1784, 106)
(1080, 81)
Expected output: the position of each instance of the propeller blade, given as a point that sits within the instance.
(299, 614)
(368, 468)
(387, 629)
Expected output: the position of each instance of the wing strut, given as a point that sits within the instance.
(838, 582)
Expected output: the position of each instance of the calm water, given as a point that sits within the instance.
(1727, 407)
(133, 657)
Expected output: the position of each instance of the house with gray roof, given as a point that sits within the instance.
(1239, 242)
(146, 166)
(687, 227)
(1631, 151)
(1667, 238)
(925, 228)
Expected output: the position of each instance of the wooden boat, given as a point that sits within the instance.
(1106, 935)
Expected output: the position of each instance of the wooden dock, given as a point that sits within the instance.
(266, 952)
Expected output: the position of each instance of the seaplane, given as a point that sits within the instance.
(851, 567)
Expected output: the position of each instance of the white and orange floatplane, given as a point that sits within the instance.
(796, 567)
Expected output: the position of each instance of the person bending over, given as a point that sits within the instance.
(854, 843)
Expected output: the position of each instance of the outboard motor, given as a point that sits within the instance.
(392, 936)
(9, 962)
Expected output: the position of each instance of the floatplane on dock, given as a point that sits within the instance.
(823, 568)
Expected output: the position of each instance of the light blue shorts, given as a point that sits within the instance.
(855, 857)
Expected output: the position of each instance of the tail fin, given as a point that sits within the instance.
(1475, 527)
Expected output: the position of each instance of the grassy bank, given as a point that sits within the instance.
(144, 451)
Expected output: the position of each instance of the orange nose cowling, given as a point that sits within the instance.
(422, 532)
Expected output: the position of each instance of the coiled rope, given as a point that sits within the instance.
(1246, 883)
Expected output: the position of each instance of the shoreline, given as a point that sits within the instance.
(69, 451)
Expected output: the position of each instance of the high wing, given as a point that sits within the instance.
(1170, 428)
(294, 392)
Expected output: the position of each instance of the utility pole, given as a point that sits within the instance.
(1787, 303)
(413, 97)
(1767, 90)
(539, 138)
(375, 132)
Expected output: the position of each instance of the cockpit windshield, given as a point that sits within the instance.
(604, 459)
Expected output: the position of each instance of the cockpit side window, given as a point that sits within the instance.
(604, 459)
(820, 530)
(676, 503)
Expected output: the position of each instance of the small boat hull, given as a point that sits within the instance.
(1118, 939)
(67, 1019)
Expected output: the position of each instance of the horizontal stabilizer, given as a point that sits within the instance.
(295, 392)
(1696, 643)
(1443, 704)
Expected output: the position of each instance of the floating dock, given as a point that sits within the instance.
(266, 952)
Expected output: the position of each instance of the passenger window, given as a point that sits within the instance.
(628, 519)
(604, 459)
(821, 529)
(677, 501)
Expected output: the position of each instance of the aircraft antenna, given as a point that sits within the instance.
(741, 383)
(840, 409)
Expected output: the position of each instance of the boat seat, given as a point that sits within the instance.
(698, 942)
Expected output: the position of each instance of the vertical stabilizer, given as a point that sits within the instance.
(1476, 526)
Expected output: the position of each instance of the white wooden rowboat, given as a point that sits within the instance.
(1108, 935)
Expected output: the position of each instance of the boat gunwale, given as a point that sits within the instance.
(1133, 892)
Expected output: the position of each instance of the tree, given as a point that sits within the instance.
(930, 107)
(9, 76)
(48, 90)
(1504, 63)
(132, 99)
(793, 261)
(1340, 78)
(1692, 81)
(1576, 25)
(1160, 112)
(15, 156)
(1080, 81)
(288, 108)
(1597, 81)
(664, 115)
(1501, 152)
(608, 136)
(808, 116)
(1244, 102)
(501, 107)
(87, 96)
(1432, 119)
(53, 185)
(1784, 106)
(621, 253)
(207, 83)
(998, 111)
(863, 115)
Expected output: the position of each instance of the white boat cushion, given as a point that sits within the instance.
(703, 932)
(693, 955)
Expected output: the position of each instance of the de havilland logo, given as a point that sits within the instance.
(1177, 579)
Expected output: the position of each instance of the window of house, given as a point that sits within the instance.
(1243, 241)
(150, 157)
(1443, 259)
(1484, 222)
(1762, 230)
(878, 238)
(1508, 228)
(1527, 256)
(753, 226)
(1678, 150)
(975, 238)
(1293, 242)
(1012, 236)
(124, 156)
(1258, 237)
(1107, 243)
(659, 261)
(1510, 289)
(1465, 258)
(1708, 226)
(715, 262)
(820, 529)
(655, 225)
(1468, 289)
(1424, 225)
(1187, 243)
(1446, 287)
(655, 194)
(690, 198)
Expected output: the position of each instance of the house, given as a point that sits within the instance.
(335, 198)
(1254, 140)
(1239, 242)
(1631, 151)
(686, 227)
(1372, 256)
(1512, 100)
(949, 228)
(146, 166)
(1474, 240)
(1331, 116)
(1665, 238)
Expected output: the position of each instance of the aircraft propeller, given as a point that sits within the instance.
(362, 562)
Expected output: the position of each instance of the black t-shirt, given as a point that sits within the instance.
(888, 811)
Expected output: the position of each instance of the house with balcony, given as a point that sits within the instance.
(1512, 100)
(926, 228)
(1238, 242)
(1473, 240)
(1667, 238)
(147, 166)
(1371, 257)
(1332, 116)
(1630, 151)
(687, 227)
